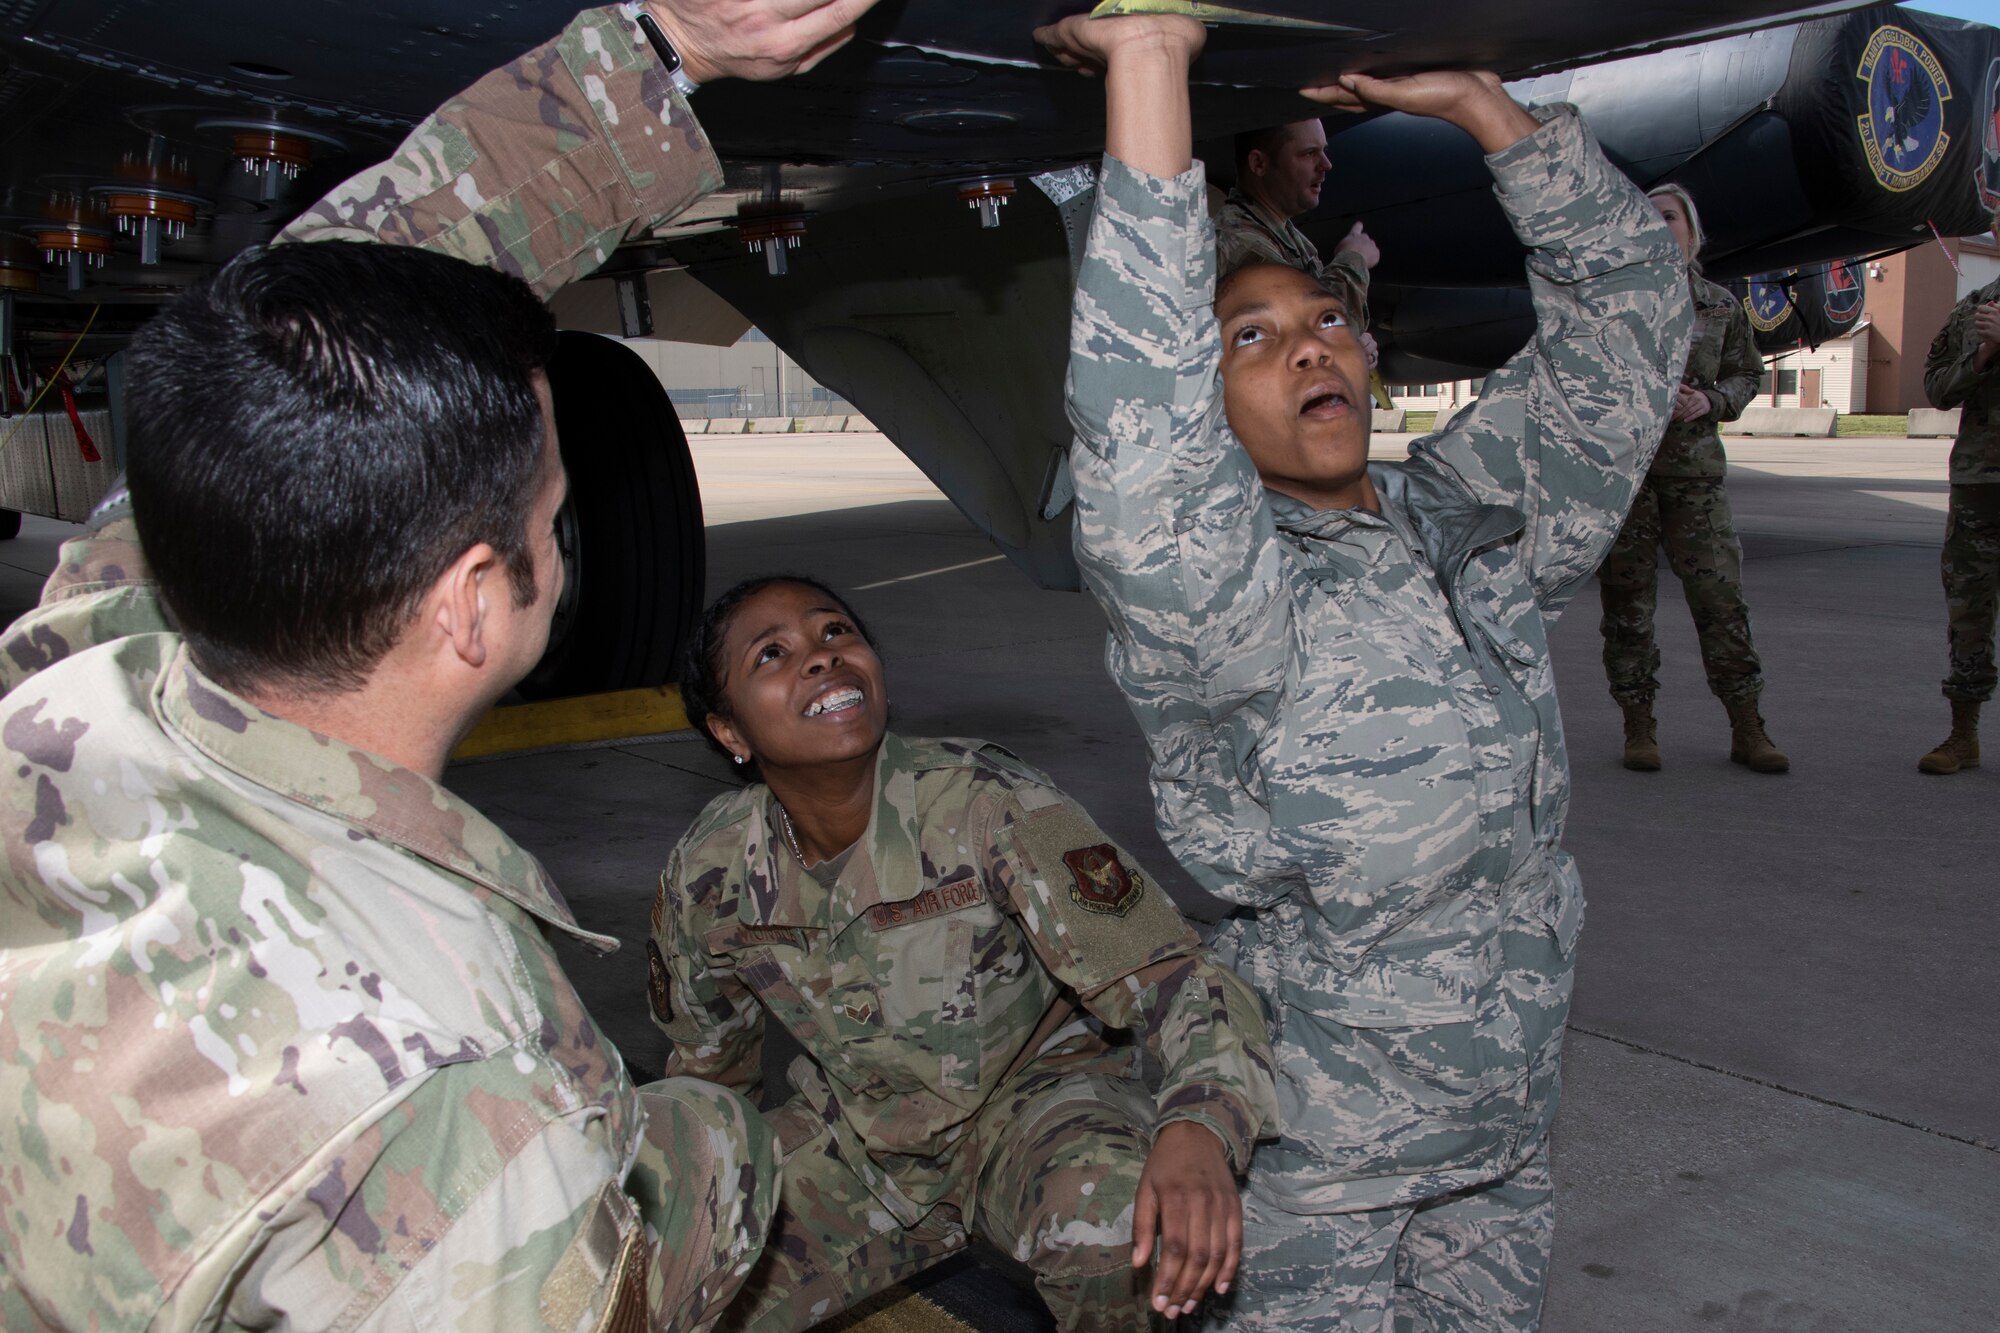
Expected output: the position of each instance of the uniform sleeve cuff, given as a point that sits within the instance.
(1220, 1111)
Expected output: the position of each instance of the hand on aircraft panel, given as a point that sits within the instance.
(1361, 244)
(1087, 45)
(1473, 100)
(755, 39)
(1188, 1219)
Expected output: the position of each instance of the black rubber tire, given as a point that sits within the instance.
(10, 524)
(636, 558)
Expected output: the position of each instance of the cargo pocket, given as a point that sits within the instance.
(1399, 1068)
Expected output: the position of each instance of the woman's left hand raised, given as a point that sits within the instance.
(1188, 1218)
(1090, 45)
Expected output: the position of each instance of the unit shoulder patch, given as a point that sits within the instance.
(1100, 882)
(658, 987)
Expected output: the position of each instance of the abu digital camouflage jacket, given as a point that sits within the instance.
(980, 920)
(1352, 715)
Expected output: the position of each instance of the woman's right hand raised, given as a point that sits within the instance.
(1473, 100)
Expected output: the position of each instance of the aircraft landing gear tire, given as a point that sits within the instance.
(631, 532)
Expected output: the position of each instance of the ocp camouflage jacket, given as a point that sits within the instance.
(1951, 380)
(1352, 715)
(284, 1040)
(978, 922)
(1723, 362)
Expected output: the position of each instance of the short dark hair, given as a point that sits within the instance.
(317, 432)
(702, 674)
(1270, 141)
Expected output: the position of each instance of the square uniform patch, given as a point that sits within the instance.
(1099, 882)
(1095, 903)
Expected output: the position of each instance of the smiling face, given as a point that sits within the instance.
(800, 686)
(1295, 385)
(1287, 179)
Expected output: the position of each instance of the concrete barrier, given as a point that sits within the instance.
(1817, 422)
(1390, 420)
(819, 425)
(725, 426)
(1927, 423)
(767, 425)
(696, 426)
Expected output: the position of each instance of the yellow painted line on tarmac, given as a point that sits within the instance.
(615, 715)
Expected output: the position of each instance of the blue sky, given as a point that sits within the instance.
(1979, 11)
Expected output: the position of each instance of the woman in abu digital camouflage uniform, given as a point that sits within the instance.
(935, 924)
(1342, 669)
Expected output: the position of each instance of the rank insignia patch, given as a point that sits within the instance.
(1102, 884)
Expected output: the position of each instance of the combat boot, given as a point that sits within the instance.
(1749, 746)
(1642, 745)
(1961, 748)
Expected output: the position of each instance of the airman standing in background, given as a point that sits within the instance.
(1963, 371)
(1681, 506)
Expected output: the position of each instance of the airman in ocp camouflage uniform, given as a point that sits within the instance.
(1963, 371)
(946, 978)
(1250, 230)
(1352, 711)
(243, 1103)
(1682, 506)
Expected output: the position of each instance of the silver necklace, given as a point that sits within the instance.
(791, 838)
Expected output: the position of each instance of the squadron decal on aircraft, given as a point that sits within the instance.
(1843, 291)
(1902, 127)
(1769, 302)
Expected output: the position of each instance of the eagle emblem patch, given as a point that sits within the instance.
(1102, 884)
(1902, 128)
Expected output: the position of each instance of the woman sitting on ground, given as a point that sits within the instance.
(935, 924)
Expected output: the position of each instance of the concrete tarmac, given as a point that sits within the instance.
(1783, 1100)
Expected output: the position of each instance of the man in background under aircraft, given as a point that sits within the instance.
(1280, 171)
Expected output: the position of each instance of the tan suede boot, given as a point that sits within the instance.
(1961, 748)
(1749, 746)
(1642, 746)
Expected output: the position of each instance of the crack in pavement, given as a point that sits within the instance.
(1966, 1139)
